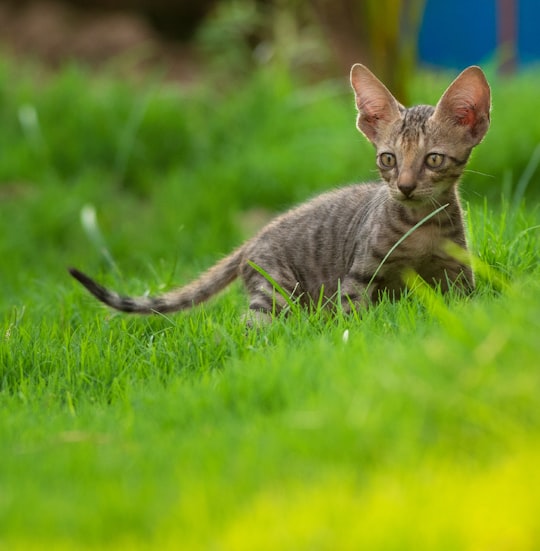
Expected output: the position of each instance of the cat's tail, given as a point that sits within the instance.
(208, 284)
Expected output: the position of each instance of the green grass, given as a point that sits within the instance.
(415, 427)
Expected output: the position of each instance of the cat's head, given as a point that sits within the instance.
(422, 151)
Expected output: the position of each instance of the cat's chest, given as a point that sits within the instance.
(421, 250)
(417, 250)
(422, 242)
(406, 243)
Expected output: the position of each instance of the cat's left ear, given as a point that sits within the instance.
(466, 103)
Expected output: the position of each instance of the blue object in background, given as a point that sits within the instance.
(528, 30)
(458, 33)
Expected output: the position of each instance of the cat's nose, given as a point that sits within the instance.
(407, 188)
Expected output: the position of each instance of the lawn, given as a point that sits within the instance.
(416, 427)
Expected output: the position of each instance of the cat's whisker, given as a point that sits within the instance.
(470, 171)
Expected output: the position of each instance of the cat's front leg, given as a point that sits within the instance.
(459, 277)
(451, 274)
(357, 290)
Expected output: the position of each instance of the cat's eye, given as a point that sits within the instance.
(387, 160)
(434, 160)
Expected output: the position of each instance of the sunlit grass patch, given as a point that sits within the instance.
(435, 506)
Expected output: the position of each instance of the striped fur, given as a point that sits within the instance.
(336, 242)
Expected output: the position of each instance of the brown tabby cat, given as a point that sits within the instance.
(336, 243)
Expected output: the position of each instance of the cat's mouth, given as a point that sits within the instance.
(416, 197)
(415, 202)
(409, 199)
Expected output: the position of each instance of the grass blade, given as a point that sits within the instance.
(91, 228)
(401, 239)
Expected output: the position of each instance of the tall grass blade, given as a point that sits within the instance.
(526, 177)
(275, 285)
(402, 238)
(91, 228)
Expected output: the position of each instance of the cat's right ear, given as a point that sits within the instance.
(377, 107)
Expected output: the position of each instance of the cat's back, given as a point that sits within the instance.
(341, 205)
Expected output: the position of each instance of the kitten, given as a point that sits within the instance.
(336, 243)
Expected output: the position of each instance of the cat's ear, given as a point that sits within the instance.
(377, 107)
(466, 103)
